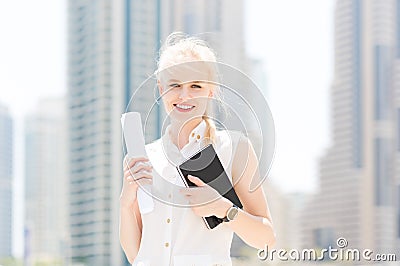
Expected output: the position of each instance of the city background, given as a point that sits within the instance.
(330, 71)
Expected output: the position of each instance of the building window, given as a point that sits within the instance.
(381, 84)
(398, 27)
(324, 237)
(398, 129)
(381, 172)
(190, 23)
(398, 211)
(357, 85)
(377, 171)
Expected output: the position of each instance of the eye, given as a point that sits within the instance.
(174, 85)
(196, 86)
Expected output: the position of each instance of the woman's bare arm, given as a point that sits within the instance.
(130, 230)
(254, 223)
(130, 220)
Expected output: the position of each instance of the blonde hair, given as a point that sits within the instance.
(179, 48)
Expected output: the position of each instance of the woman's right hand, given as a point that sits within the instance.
(137, 172)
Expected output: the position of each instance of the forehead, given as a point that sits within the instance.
(188, 72)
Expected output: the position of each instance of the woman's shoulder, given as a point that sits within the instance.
(233, 136)
(235, 139)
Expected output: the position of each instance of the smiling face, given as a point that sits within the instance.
(186, 90)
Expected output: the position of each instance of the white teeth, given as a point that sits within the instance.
(182, 106)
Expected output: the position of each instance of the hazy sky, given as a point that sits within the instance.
(294, 38)
(32, 66)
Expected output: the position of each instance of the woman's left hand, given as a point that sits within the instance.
(205, 200)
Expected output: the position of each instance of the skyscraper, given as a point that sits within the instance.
(142, 39)
(46, 183)
(94, 181)
(359, 174)
(212, 20)
(6, 180)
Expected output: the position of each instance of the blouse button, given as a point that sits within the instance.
(193, 134)
(198, 136)
(168, 221)
(166, 244)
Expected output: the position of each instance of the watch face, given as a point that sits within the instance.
(232, 213)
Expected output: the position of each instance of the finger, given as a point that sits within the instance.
(142, 175)
(193, 200)
(190, 190)
(129, 162)
(193, 203)
(185, 192)
(130, 172)
(197, 181)
(142, 181)
(193, 191)
(129, 176)
(140, 168)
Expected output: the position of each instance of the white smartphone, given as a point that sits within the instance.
(135, 144)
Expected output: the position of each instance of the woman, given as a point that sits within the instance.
(171, 234)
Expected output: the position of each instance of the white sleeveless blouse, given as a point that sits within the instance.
(172, 234)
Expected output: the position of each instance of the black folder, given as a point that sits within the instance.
(206, 165)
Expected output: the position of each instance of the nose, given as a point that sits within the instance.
(185, 92)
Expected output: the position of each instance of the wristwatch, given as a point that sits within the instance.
(231, 214)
